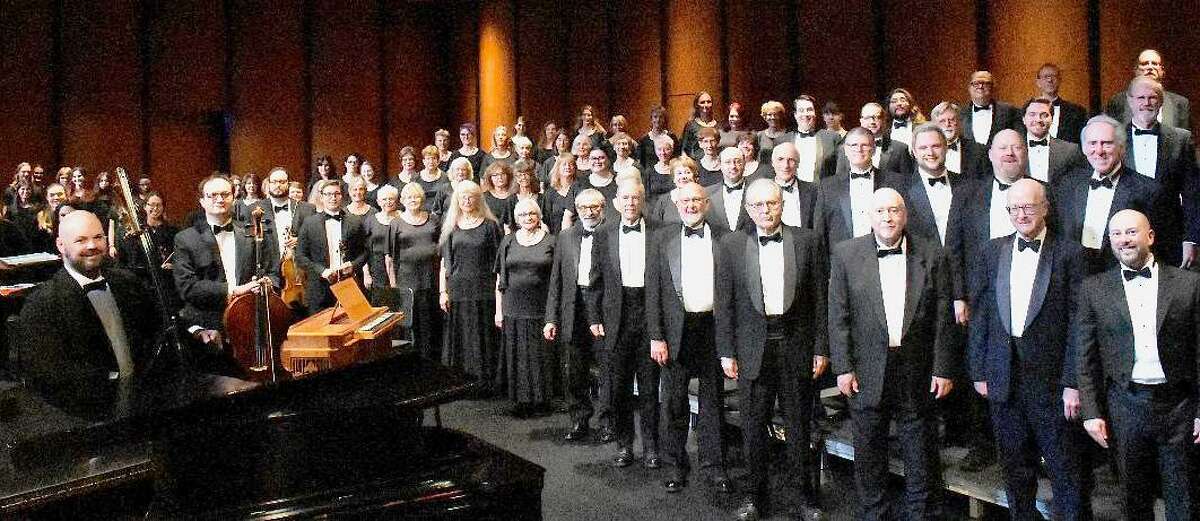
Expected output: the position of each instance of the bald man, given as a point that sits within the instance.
(799, 196)
(894, 360)
(1136, 336)
(1020, 358)
(1176, 109)
(984, 116)
(91, 323)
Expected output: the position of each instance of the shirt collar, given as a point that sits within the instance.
(1150, 262)
(79, 277)
(209, 220)
(903, 244)
(1041, 236)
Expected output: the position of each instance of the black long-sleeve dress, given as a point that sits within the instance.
(523, 280)
(415, 263)
(471, 342)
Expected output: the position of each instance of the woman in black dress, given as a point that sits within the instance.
(466, 135)
(546, 147)
(622, 150)
(702, 117)
(735, 124)
(523, 267)
(657, 176)
(589, 127)
(560, 194)
(775, 116)
(497, 185)
(562, 145)
(683, 172)
(408, 168)
(747, 142)
(460, 170)
(710, 160)
(358, 198)
(502, 150)
(581, 147)
(646, 146)
(378, 230)
(467, 284)
(24, 209)
(324, 171)
(374, 181)
(525, 186)
(414, 254)
(441, 141)
(433, 179)
(162, 236)
(43, 238)
(600, 176)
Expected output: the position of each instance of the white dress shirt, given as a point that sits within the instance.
(1056, 119)
(770, 270)
(333, 241)
(981, 123)
(954, 157)
(227, 247)
(696, 271)
(1022, 272)
(999, 224)
(939, 195)
(1039, 160)
(583, 279)
(806, 148)
(861, 193)
(893, 283)
(903, 133)
(733, 203)
(1141, 295)
(283, 221)
(1145, 153)
(110, 319)
(632, 249)
(876, 155)
(1095, 216)
(791, 205)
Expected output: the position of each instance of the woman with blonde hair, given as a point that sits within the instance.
(684, 171)
(560, 194)
(466, 283)
(358, 197)
(588, 126)
(702, 117)
(414, 256)
(441, 143)
(502, 148)
(378, 236)
(497, 185)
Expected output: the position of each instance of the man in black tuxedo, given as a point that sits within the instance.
(1176, 109)
(680, 278)
(799, 197)
(214, 262)
(889, 335)
(888, 154)
(1136, 338)
(902, 110)
(331, 247)
(1020, 358)
(772, 341)
(617, 311)
(931, 193)
(986, 215)
(1167, 155)
(1049, 158)
(1086, 199)
(91, 326)
(566, 316)
(725, 198)
(984, 116)
(1067, 118)
(964, 158)
(816, 149)
(844, 200)
(284, 215)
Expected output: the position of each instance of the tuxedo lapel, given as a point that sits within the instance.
(870, 275)
(1166, 279)
(244, 253)
(1004, 286)
(919, 200)
(915, 268)
(1165, 142)
(753, 274)
(614, 253)
(1041, 281)
(789, 269)
(674, 258)
(844, 204)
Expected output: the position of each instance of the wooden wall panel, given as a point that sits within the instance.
(541, 64)
(930, 49)
(464, 29)
(25, 80)
(497, 69)
(588, 51)
(186, 96)
(637, 64)
(836, 53)
(415, 75)
(102, 81)
(694, 59)
(1025, 34)
(760, 64)
(1170, 27)
(345, 80)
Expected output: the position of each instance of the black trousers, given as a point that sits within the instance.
(697, 358)
(630, 360)
(777, 379)
(910, 404)
(1155, 423)
(578, 354)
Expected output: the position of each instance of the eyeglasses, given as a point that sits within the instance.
(981, 84)
(891, 210)
(330, 194)
(1023, 209)
(589, 207)
(763, 205)
(219, 195)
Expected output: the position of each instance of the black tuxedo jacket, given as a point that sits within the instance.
(1065, 157)
(664, 283)
(200, 276)
(300, 211)
(1071, 119)
(1004, 116)
(921, 220)
(973, 160)
(741, 321)
(716, 208)
(858, 337)
(605, 297)
(833, 220)
(827, 152)
(1133, 191)
(893, 157)
(1176, 171)
(1047, 362)
(807, 195)
(1103, 335)
(312, 254)
(1176, 110)
(64, 347)
(564, 277)
(970, 230)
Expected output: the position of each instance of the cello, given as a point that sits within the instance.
(256, 323)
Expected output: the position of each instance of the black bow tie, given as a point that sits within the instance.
(1106, 182)
(864, 175)
(336, 217)
(627, 229)
(732, 189)
(977, 108)
(1039, 143)
(763, 240)
(878, 142)
(1035, 245)
(788, 187)
(283, 208)
(1146, 132)
(587, 233)
(953, 146)
(900, 123)
(693, 232)
(217, 229)
(801, 133)
(884, 252)
(99, 285)
(1002, 186)
(1133, 274)
(935, 180)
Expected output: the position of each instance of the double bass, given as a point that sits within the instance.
(256, 322)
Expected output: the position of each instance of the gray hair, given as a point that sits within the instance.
(1105, 119)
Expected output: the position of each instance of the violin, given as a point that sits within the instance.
(293, 276)
(256, 322)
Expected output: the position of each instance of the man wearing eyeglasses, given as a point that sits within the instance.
(770, 335)
(984, 116)
(725, 207)
(887, 154)
(214, 262)
(331, 247)
(893, 350)
(1020, 359)
(1176, 109)
(843, 200)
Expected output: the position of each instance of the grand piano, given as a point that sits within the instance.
(175, 444)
